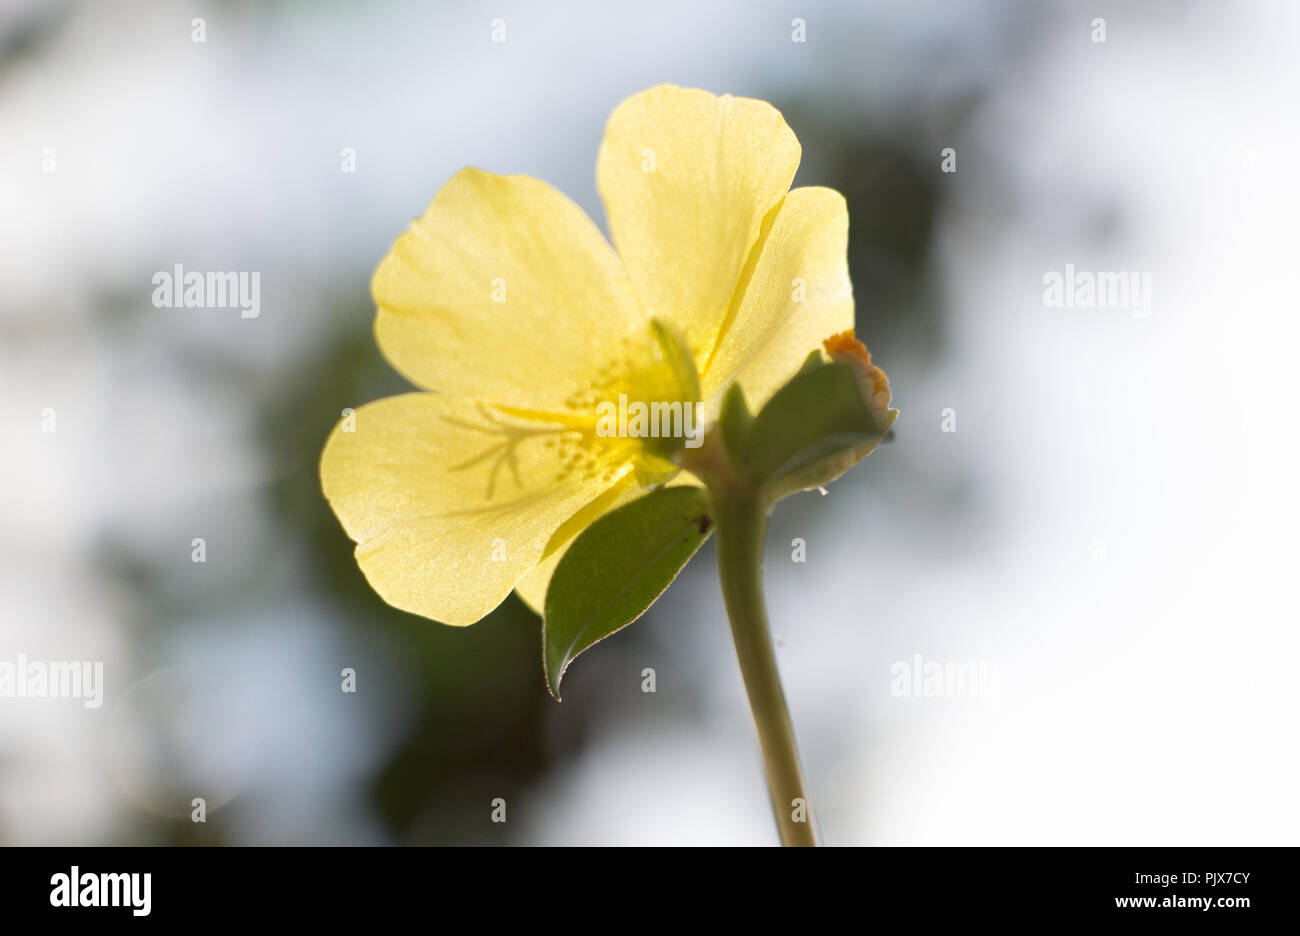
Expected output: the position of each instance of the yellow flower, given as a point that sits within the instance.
(507, 304)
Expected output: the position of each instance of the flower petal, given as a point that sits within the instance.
(451, 502)
(687, 179)
(798, 294)
(504, 291)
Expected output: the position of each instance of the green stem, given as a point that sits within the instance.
(741, 522)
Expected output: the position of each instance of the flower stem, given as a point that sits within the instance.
(741, 521)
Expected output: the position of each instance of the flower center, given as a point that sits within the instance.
(641, 409)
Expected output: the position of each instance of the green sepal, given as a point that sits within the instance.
(616, 569)
(812, 430)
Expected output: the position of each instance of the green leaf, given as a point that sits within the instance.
(616, 569)
(818, 417)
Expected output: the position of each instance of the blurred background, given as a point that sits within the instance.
(1097, 506)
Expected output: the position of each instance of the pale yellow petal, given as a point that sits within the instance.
(503, 291)
(451, 502)
(687, 178)
(798, 294)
